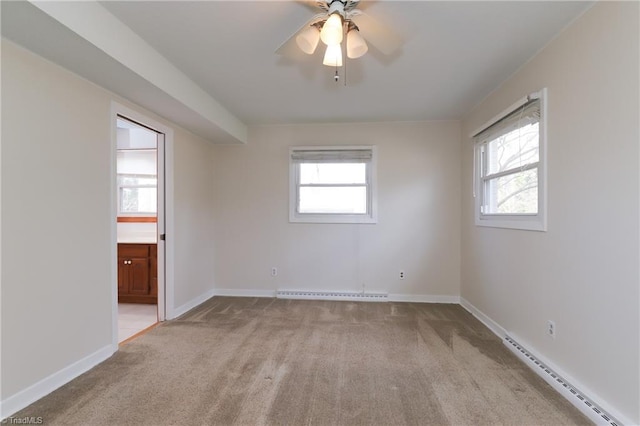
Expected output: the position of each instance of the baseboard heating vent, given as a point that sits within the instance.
(574, 395)
(332, 295)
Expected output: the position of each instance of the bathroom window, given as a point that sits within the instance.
(137, 182)
(137, 194)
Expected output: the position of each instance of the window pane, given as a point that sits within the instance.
(514, 149)
(333, 173)
(514, 193)
(137, 180)
(138, 200)
(349, 200)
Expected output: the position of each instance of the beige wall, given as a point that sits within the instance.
(583, 272)
(56, 218)
(418, 220)
(193, 211)
(56, 206)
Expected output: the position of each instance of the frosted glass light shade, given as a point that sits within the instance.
(308, 40)
(332, 30)
(333, 56)
(356, 46)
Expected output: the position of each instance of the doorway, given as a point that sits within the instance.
(140, 296)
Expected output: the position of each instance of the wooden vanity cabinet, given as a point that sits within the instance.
(137, 273)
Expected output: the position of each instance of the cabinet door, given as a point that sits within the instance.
(123, 276)
(139, 276)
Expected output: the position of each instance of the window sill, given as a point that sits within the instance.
(524, 223)
(363, 219)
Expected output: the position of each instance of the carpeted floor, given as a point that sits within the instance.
(249, 361)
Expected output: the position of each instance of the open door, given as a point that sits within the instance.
(146, 227)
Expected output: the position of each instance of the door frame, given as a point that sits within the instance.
(165, 216)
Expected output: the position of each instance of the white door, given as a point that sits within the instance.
(162, 231)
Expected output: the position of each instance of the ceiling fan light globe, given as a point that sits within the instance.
(332, 30)
(333, 56)
(356, 46)
(308, 40)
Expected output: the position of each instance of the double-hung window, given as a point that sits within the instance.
(137, 182)
(510, 168)
(332, 184)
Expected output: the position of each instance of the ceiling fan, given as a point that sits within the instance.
(337, 19)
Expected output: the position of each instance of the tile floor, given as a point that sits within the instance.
(134, 317)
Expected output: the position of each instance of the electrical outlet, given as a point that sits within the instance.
(274, 271)
(402, 275)
(551, 329)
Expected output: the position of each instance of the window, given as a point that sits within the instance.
(137, 182)
(137, 194)
(509, 169)
(332, 184)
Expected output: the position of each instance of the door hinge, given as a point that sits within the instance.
(163, 237)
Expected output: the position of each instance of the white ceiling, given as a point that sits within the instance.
(454, 54)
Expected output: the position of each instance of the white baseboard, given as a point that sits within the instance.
(180, 310)
(565, 391)
(423, 298)
(499, 331)
(351, 296)
(415, 298)
(25, 397)
(232, 292)
(491, 324)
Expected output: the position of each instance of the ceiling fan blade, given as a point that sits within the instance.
(314, 4)
(289, 44)
(377, 34)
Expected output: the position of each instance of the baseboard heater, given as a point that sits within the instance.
(332, 295)
(577, 398)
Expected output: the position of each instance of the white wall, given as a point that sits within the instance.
(193, 233)
(418, 221)
(582, 273)
(56, 206)
(57, 252)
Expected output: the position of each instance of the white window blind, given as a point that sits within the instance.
(332, 156)
(526, 114)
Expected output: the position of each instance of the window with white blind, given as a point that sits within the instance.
(137, 182)
(332, 184)
(510, 169)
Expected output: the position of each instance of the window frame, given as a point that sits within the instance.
(370, 217)
(521, 221)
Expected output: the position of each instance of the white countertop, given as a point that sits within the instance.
(137, 240)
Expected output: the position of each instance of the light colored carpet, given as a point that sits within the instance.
(249, 361)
